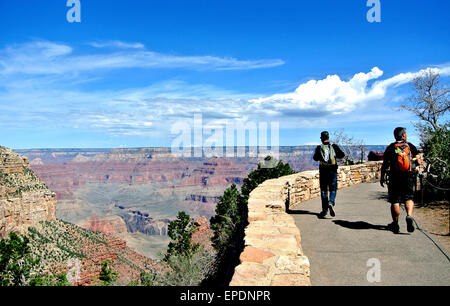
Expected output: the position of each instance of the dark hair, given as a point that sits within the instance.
(399, 132)
(324, 135)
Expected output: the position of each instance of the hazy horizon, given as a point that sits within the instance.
(112, 148)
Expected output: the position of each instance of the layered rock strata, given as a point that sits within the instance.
(24, 199)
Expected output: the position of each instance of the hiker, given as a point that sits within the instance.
(400, 160)
(326, 154)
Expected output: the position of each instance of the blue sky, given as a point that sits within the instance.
(132, 69)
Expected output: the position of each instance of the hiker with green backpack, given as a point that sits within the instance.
(326, 154)
(399, 162)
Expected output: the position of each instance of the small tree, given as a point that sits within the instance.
(180, 231)
(148, 279)
(227, 219)
(16, 261)
(187, 270)
(353, 148)
(107, 275)
(429, 102)
(188, 264)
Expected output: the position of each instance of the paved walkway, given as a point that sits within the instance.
(339, 248)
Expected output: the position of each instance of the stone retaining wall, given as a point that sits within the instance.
(273, 255)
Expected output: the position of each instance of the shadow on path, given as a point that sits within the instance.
(302, 212)
(360, 225)
(380, 195)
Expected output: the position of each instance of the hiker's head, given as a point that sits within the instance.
(325, 136)
(400, 133)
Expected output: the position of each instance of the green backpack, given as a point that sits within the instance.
(328, 155)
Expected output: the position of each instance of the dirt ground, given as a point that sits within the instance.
(434, 219)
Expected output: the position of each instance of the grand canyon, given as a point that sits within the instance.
(133, 194)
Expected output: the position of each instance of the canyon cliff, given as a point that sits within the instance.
(24, 199)
(28, 207)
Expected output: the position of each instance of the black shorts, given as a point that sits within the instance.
(401, 187)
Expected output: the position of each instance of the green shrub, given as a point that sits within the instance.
(17, 265)
(269, 169)
(180, 231)
(437, 155)
(183, 270)
(149, 279)
(59, 280)
(107, 275)
(16, 261)
(227, 220)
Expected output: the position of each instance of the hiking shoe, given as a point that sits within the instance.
(410, 224)
(331, 208)
(394, 227)
(322, 215)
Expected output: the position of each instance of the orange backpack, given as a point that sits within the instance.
(403, 158)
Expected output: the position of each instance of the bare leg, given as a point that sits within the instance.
(409, 219)
(409, 205)
(395, 212)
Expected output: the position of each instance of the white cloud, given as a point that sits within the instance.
(35, 80)
(333, 96)
(131, 112)
(144, 110)
(117, 44)
(47, 58)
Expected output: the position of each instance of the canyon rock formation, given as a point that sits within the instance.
(24, 199)
(107, 224)
(137, 222)
(143, 187)
(28, 207)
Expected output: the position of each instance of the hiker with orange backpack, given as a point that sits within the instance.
(400, 160)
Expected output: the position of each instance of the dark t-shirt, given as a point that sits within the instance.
(390, 156)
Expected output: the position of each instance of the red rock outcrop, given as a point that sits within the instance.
(108, 224)
(203, 233)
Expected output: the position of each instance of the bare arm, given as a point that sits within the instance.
(385, 166)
